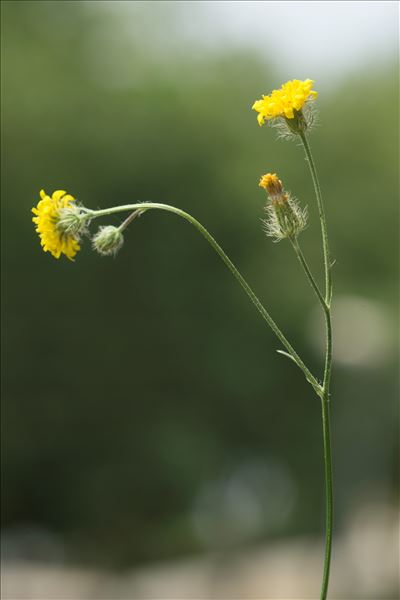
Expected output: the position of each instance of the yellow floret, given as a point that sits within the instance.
(272, 184)
(47, 216)
(283, 102)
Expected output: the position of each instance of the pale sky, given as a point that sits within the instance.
(326, 38)
(322, 40)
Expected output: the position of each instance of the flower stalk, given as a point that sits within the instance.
(299, 253)
(322, 218)
(328, 493)
(325, 419)
(327, 369)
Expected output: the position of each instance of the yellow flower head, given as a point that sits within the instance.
(48, 213)
(284, 102)
(272, 184)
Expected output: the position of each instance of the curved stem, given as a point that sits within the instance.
(144, 206)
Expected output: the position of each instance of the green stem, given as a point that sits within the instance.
(129, 219)
(327, 312)
(310, 277)
(328, 359)
(327, 371)
(321, 210)
(325, 422)
(144, 206)
(327, 266)
(327, 455)
(328, 493)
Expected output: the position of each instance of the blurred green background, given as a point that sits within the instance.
(146, 413)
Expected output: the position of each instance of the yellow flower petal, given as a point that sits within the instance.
(58, 194)
(283, 102)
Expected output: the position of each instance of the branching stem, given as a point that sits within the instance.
(144, 206)
(325, 301)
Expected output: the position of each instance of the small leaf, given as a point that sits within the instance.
(288, 355)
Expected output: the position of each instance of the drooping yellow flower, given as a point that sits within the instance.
(48, 213)
(284, 102)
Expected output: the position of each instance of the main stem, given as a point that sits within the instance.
(328, 494)
(144, 206)
(326, 303)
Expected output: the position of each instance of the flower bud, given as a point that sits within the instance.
(271, 184)
(285, 217)
(108, 240)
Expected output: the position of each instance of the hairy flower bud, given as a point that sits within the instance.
(108, 240)
(285, 217)
(72, 221)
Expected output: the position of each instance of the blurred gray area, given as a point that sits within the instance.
(363, 568)
(151, 433)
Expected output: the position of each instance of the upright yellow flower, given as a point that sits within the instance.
(285, 102)
(48, 213)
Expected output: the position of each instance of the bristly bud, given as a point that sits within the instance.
(108, 240)
(285, 217)
(72, 221)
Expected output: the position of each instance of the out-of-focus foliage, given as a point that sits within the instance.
(146, 412)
